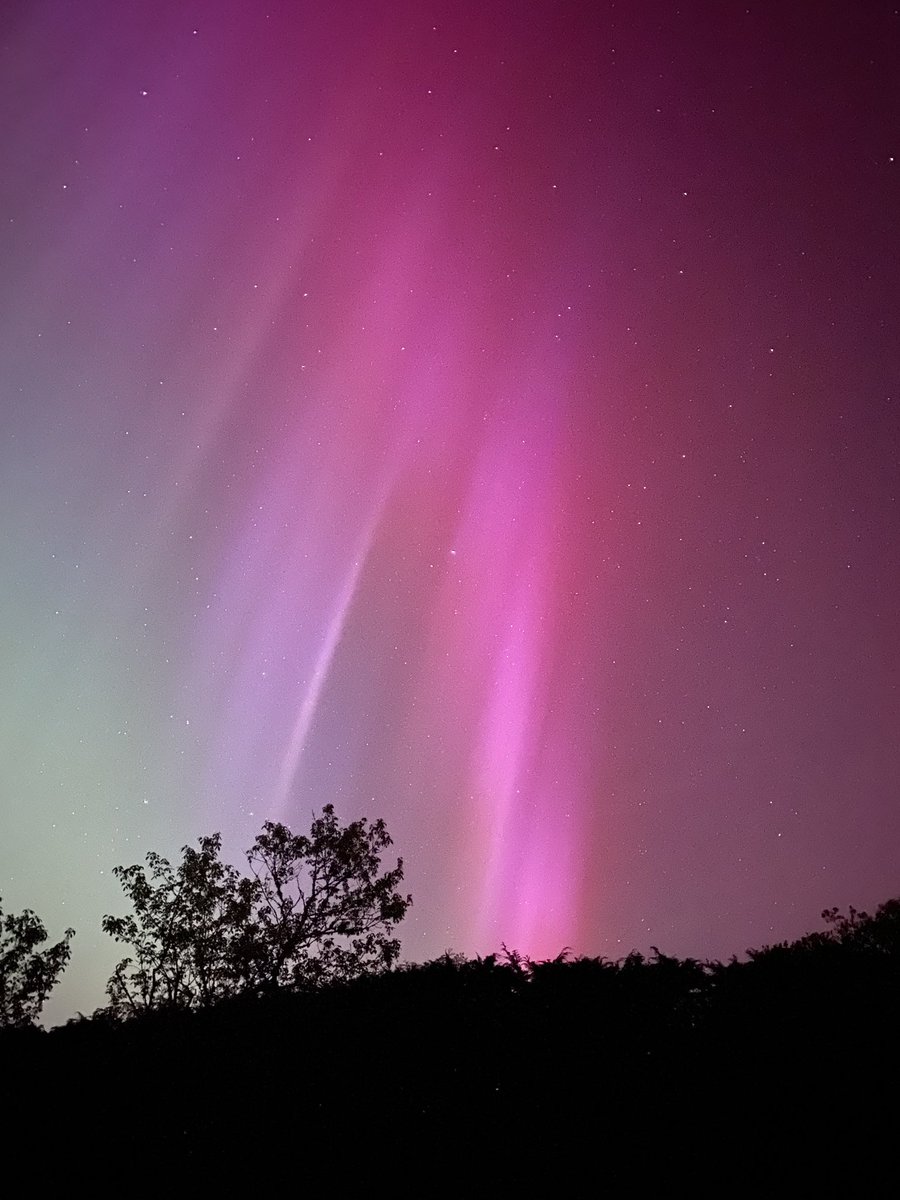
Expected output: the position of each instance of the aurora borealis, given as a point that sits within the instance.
(478, 415)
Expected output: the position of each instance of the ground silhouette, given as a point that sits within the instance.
(777, 1068)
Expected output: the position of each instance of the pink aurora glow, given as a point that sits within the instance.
(480, 415)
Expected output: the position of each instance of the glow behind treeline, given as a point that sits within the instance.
(459, 413)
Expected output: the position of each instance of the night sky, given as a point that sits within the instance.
(481, 415)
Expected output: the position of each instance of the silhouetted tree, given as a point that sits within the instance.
(322, 911)
(184, 922)
(315, 909)
(878, 934)
(27, 973)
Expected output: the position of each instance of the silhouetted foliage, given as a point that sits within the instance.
(183, 928)
(725, 1073)
(879, 934)
(321, 909)
(27, 973)
(315, 909)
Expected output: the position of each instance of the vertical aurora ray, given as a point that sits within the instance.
(496, 657)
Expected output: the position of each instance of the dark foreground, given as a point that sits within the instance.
(779, 1074)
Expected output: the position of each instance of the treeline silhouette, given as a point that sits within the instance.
(778, 1062)
(312, 909)
(261, 1022)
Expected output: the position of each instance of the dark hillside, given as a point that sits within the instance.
(787, 1061)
